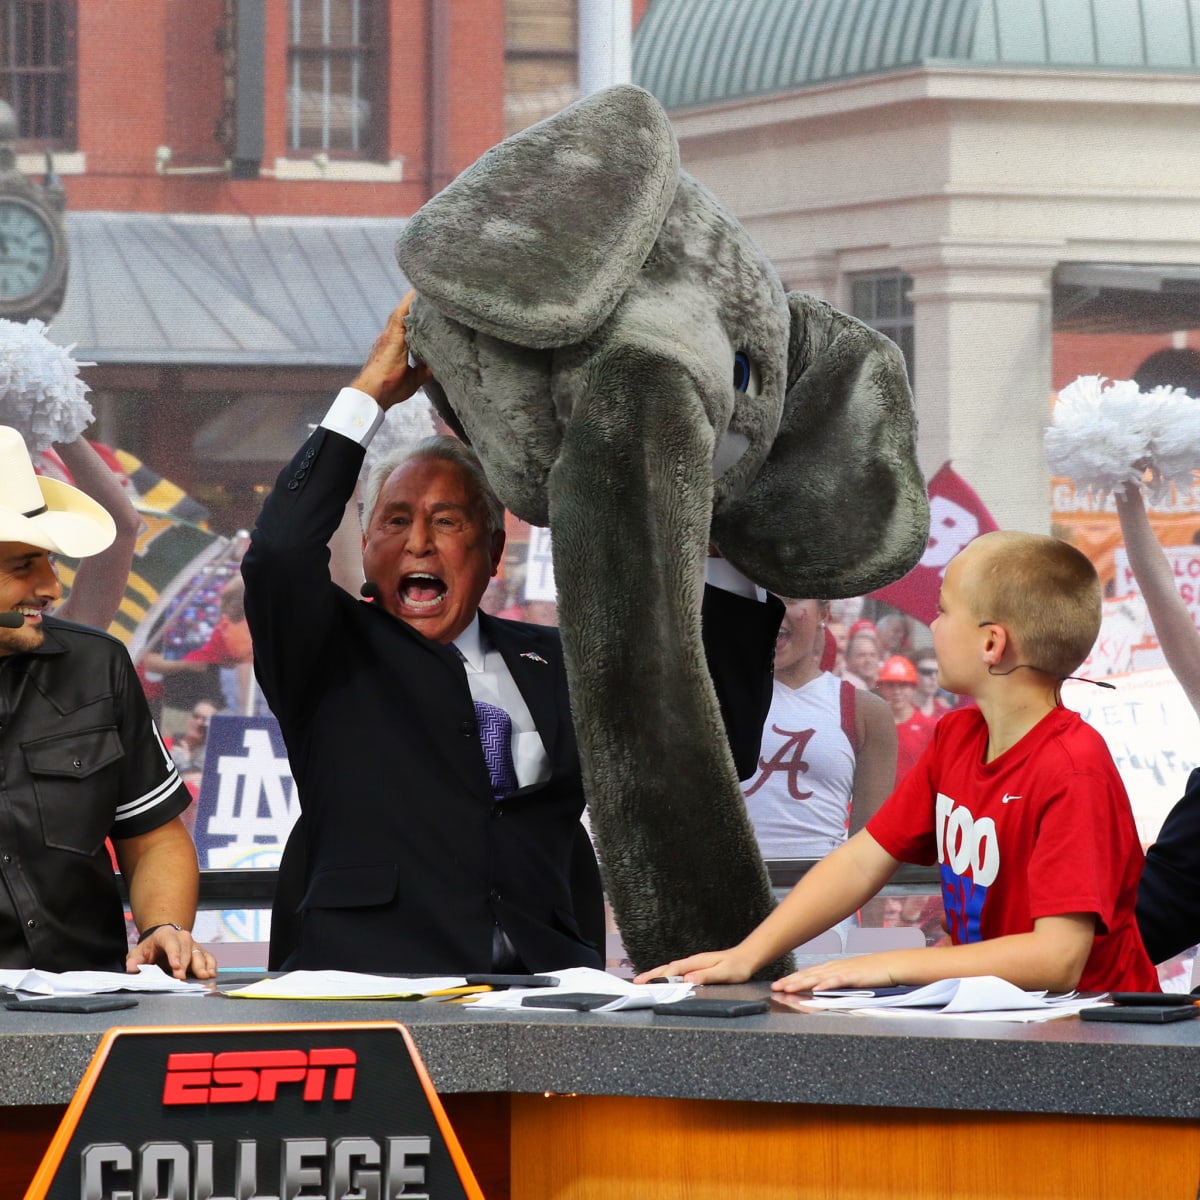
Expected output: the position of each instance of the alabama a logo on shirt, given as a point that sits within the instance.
(788, 759)
(969, 855)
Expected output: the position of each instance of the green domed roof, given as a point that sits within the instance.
(692, 52)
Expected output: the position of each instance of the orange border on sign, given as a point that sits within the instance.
(44, 1176)
(465, 1174)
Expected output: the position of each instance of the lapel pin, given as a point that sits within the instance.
(534, 657)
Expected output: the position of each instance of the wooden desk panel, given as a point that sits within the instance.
(619, 1148)
(25, 1134)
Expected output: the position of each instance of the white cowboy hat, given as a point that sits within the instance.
(44, 512)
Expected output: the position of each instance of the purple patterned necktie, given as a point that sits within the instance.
(495, 732)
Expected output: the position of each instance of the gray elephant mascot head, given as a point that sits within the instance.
(632, 374)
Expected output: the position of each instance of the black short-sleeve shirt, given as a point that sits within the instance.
(80, 761)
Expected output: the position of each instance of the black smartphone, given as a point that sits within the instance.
(1154, 999)
(72, 1004)
(710, 1006)
(507, 981)
(578, 1001)
(1140, 1014)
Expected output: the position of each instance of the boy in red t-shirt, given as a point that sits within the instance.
(1018, 801)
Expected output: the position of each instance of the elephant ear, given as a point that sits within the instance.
(839, 508)
(537, 241)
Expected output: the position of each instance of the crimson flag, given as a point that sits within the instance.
(956, 516)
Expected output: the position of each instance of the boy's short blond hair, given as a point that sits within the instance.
(1043, 591)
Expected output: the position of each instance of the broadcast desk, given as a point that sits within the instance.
(617, 1106)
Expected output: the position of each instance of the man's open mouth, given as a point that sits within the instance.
(422, 591)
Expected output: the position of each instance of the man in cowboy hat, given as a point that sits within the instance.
(80, 761)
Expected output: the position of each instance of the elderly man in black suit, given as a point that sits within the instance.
(420, 852)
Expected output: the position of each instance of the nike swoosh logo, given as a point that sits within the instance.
(1006, 798)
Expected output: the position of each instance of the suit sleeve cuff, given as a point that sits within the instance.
(354, 415)
(721, 573)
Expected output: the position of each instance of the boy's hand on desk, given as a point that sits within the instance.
(867, 971)
(716, 966)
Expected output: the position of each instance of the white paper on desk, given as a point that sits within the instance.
(1052, 1012)
(625, 995)
(149, 978)
(973, 994)
(344, 985)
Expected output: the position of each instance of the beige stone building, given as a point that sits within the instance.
(982, 179)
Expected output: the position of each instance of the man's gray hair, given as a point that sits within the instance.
(442, 449)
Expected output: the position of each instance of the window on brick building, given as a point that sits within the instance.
(37, 51)
(333, 83)
(881, 299)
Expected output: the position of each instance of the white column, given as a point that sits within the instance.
(605, 44)
(982, 317)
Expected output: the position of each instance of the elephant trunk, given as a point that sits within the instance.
(630, 501)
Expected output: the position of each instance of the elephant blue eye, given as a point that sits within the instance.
(745, 377)
(741, 372)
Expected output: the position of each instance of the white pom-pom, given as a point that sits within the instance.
(1175, 443)
(1104, 438)
(1099, 435)
(41, 394)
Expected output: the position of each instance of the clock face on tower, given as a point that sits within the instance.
(27, 250)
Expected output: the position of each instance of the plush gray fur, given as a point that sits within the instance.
(581, 302)
(536, 243)
(839, 508)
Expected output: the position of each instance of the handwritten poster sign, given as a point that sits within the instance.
(1151, 730)
(1185, 564)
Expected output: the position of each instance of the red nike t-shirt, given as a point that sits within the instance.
(1043, 830)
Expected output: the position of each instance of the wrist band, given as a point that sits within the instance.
(161, 925)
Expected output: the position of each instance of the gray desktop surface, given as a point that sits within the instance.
(928, 1061)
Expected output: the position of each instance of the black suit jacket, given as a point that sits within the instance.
(1168, 899)
(408, 860)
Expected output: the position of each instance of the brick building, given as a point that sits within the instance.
(236, 172)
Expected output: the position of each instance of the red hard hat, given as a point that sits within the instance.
(897, 669)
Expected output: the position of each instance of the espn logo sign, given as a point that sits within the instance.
(243, 1076)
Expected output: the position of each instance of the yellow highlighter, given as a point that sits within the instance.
(457, 995)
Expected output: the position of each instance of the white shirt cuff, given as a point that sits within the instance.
(720, 572)
(355, 415)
